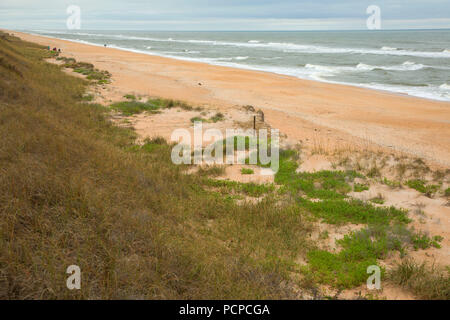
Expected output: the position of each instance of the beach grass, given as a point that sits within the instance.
(77, 190)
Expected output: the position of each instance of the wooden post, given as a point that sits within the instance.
(254, 123)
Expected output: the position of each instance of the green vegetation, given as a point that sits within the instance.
(247, 171)
(324, 195)
(130, 96)
(216, 118)
(88, 97)
(129, 108)
(198, 119)
(358, 187)
(75, 189)
(354, 211)
(348, 268)
(317, 185)
(87, 69)
(379, 199)
(423, 241)
(421, 186)
(392, 184)
(447, 192)
(250, 189)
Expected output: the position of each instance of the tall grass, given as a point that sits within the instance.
(74, 189)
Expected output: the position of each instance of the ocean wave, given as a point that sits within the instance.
(427, 92)
(388, 48)
(280, 46)
(311, 71)
(405, 66)
(330, 69)
(227, 58)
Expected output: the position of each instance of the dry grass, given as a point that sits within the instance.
(74, 189)
(425, 282)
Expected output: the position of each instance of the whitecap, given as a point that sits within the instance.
(405, 66)
(363, 66)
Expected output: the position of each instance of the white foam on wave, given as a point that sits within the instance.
(271, 58)
(405, 66)
(280, 46)
(388, 48)
(427, 92)
(310, 71)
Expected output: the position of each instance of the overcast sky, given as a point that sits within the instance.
(224, 14)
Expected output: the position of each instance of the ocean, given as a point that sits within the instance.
(413, 62)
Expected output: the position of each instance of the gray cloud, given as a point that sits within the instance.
(224, 14)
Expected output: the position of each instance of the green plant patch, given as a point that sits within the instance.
(130, 96)
(317, 185)
(377, 200)
(198, 119)
(360, 249)
(250, 189)
(247, 171)
(358, 187)
(217, 117)
(354, 211)
(421, 186)
(447, 192)
(391, 183)
(423, 241)
(129, 108)
(329, 268)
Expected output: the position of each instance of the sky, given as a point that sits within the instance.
(224, 14)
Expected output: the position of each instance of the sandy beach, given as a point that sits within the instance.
(367, 165)
(313, 112)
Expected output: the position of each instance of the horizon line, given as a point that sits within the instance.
(243, 30)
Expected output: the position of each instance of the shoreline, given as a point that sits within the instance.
(241, 67)
(305, 110)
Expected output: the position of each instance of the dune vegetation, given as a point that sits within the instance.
(77, 190)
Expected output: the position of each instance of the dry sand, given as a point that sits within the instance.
(314, 112)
